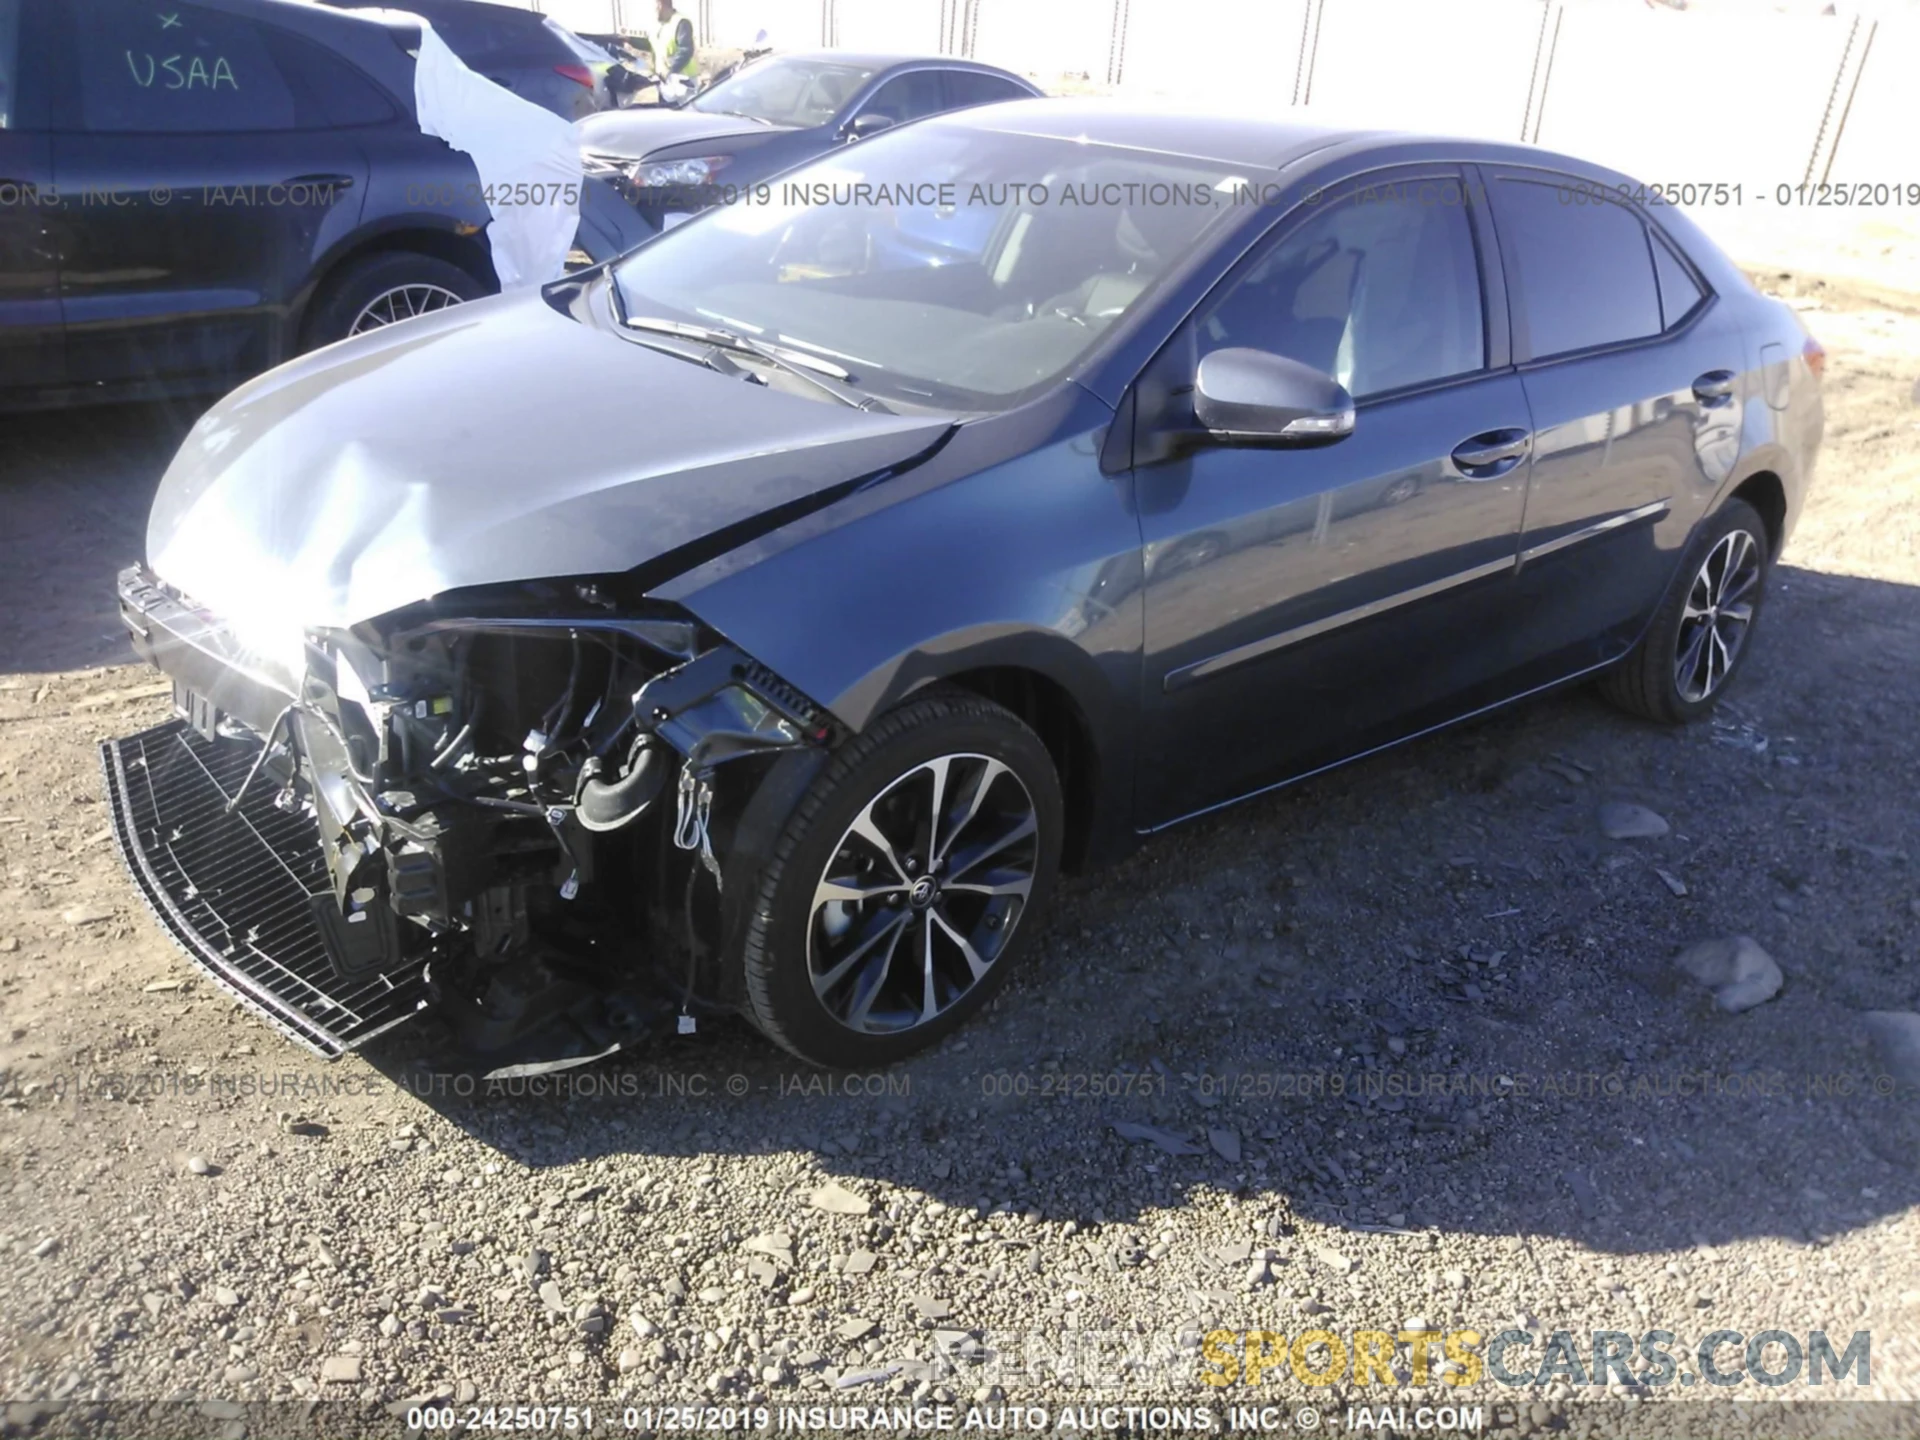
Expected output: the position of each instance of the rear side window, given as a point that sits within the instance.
(1679, 291)
(1380, 290)
(331, 93)
(1580, 267)
(164, 68)
(968, 87)
(907, 97)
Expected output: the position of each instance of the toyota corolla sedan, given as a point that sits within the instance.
(761, 622)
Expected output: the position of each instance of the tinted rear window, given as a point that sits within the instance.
(1580, 268)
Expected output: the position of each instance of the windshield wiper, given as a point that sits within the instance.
(710, 357)
(822, 374)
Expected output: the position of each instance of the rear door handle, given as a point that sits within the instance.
(314, 182)
(1714, 387)
(1492, 453)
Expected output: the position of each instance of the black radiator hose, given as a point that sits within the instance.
(604, 805)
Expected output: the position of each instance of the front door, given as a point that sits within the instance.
(1305, 604)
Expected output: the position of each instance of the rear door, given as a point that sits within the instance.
(201, 183)
(1306, 604)
(32, 353)
(1636, 378)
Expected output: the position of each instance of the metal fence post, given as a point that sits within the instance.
(1310, 20)
(1546, 75)
(1117, 41)
(1533, 77)
(1833, 94)
(1833, 151)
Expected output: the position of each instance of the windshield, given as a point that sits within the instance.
(786, 91)
(943, 265)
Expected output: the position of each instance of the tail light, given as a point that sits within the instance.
(579, 74)
(1815, 354)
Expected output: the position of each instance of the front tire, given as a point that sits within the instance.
(382, 289)
(1704, 629)
(905, 884)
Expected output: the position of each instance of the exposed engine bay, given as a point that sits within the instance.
(512, 808)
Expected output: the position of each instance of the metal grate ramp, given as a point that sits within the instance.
(236, 891)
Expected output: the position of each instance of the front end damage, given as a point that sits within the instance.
(508, 807)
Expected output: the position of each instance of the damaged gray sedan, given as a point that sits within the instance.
(761, 621)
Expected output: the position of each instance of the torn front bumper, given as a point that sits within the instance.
(245, 892)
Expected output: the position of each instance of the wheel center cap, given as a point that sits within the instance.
(923, 892)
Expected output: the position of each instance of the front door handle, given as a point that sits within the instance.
(1714, 387)
(1492, 453)
(315, 182)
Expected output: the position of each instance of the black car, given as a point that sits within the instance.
(190, 194)
(781, 111)
(1086, 472)
(533, 55)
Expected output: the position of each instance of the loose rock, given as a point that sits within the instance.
(836, 1199)
(1896, 1036)
(1622, 820)
(1740, 974)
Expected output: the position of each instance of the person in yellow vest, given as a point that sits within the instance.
(672, 42)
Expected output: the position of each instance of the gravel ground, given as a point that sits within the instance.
(1202, 1108)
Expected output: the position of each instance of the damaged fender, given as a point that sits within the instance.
(948, 588)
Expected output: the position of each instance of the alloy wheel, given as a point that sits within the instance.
(402, 302)
(922, 893)
(1718, 614)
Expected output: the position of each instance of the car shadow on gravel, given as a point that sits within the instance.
(1420, 996)
(75, 488)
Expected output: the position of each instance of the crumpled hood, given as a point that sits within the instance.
(496, 441)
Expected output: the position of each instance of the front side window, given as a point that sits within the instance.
(940, 264)
(801, 93)
(152, 69)
(1579, 266)
(1381, 290)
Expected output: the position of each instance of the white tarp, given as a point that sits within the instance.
(528, 159)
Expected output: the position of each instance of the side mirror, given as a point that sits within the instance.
(861, 126)
(1253, 397)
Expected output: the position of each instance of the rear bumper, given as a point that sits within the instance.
(245, 892)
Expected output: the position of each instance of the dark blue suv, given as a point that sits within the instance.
(192, 193)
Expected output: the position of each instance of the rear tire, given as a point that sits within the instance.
(1703, 631)
(875, 932)
(382, 289)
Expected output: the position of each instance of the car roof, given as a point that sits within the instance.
(882, 60)
(1243, 140)
(1224, 139)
